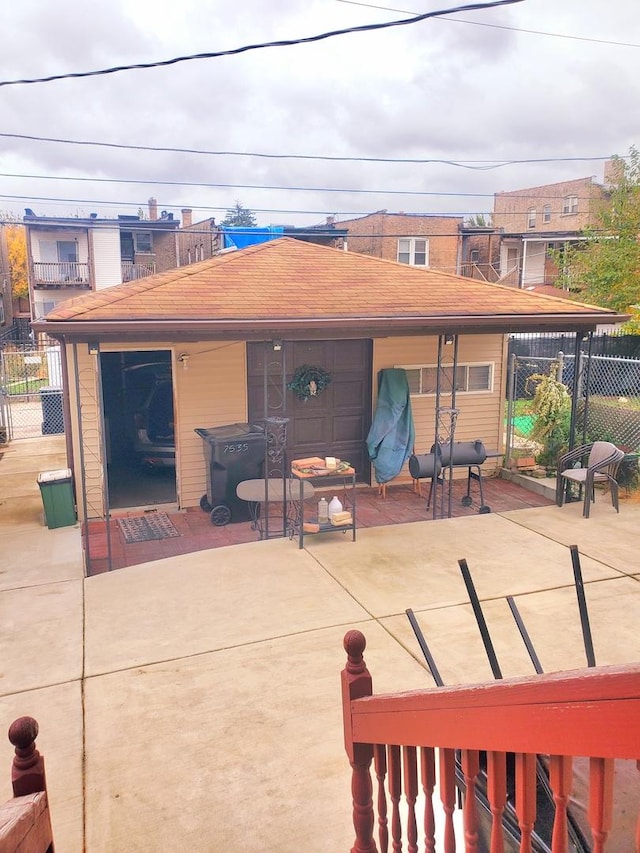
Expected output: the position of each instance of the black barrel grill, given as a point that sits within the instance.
(463, 454)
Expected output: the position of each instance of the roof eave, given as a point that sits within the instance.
(256, 329)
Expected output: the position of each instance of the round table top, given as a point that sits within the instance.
(256, 491)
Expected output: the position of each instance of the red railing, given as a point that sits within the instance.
(443, 734)
(25, 822)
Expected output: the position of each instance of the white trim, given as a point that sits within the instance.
(461, 365)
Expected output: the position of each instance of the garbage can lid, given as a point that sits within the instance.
(53, 476)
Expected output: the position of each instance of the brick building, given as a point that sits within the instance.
(416, 239)
(536, 220)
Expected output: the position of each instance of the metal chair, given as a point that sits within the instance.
(602, 460)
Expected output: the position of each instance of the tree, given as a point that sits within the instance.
(239, 215)
(479, 220)
(17, 255)
(605, 266)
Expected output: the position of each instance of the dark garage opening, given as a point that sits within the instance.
(137, 392)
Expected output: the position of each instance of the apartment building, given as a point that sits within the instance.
(416, 239)
(536, 220)
(68, 256)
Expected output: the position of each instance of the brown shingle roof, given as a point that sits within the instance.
(287, 280)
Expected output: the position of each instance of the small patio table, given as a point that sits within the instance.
(286, 492)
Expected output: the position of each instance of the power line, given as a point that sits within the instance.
(246, 48)
(348, 214)
(500, 26)
(151, 182)
(467, 164)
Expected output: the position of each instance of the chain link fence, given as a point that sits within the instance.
(607, 406)
(31, 395)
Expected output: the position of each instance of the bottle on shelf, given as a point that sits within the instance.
(334, 506)
(323, 511)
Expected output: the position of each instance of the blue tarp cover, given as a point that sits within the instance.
(392, 434)
(242, 236)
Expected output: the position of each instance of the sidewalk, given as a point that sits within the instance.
(193, 703)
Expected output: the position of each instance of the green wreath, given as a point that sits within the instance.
(309, 381)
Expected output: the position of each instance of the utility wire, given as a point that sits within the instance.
(500, 26)
(246, 48)
(151, 182)
(466, 164)
(357, 214)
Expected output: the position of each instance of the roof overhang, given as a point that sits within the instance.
(324, 328)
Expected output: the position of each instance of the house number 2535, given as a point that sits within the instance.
(236, 448)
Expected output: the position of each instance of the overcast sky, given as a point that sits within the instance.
(449, 89)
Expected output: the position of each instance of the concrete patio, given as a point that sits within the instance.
(193, 703)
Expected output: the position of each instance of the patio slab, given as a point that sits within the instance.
(209, 600)
(38, 555)
(607, 536)
(42, 635)
(416, 565)
(552, 620)
(217, 732)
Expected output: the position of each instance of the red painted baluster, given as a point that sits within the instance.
(395, 788)
(470, 769)
(600, 800)
(560, 779)
(525, 797)
(497, 795)
(447, 781)
(380, 764)
(428, 778)
(27, 771)
(410, 770)
(356, 683)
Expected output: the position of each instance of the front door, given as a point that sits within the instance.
(333, 423)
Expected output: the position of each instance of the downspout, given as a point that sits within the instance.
(66, 403)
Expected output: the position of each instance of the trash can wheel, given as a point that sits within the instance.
(220, 515)
(205, 506)
(466, 500)
(484, 509)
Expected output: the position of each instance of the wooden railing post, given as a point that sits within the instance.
(27, 771)
(356, 683)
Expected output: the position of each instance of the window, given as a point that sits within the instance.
(569, 204)
(531, 218)
(470, 378)
(414, 251)
(474, 256)
(142, 242)
(546, 213)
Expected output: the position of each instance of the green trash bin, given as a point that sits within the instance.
(57, 498)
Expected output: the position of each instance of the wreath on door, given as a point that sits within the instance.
(309, 381)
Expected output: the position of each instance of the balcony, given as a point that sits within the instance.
(132, 272)
(61, 274)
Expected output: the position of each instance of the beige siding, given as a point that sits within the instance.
(480, 415)
(212, 391)
(87, 452)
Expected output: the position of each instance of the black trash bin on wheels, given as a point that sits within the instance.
(234, 452)
(52, 413)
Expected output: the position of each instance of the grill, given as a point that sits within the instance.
(461, 454)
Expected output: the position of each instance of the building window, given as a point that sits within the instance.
(142, 242)
(569, 204)
(546, 213)
(414, 251)
(531, 218)
(470, 379)
(474, 256)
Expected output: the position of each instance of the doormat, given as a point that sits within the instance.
(154, 525)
